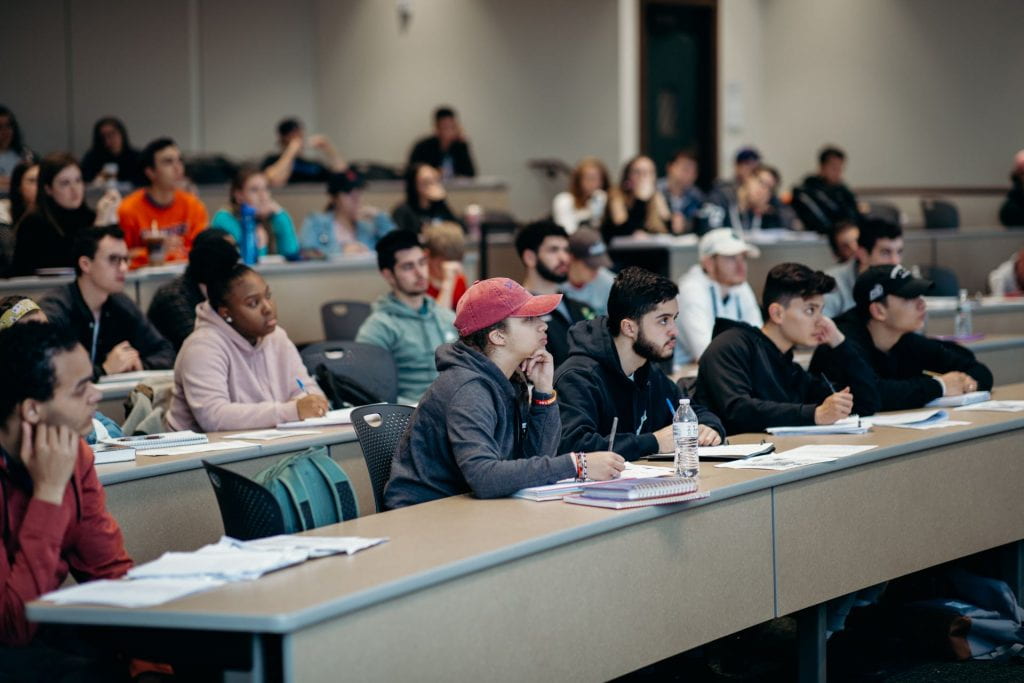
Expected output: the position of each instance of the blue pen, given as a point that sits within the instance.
(671, 409)
(302, 387)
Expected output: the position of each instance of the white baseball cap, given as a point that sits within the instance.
(723, 242)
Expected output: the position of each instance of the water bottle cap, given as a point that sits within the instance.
(684, 401)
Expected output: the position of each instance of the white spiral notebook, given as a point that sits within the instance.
(163, 440)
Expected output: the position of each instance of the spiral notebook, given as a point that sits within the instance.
(639, 492)
(626, 504)
(163, 440)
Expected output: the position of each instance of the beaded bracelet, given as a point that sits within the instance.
(581, 466)
(546, 401)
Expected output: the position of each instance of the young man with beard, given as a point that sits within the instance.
(890, 310)
(478, 429)
(407, 322)
(748, 375)
(612, 372)
(543, 247)
(55, 516)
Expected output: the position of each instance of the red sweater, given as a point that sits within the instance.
(44, 541)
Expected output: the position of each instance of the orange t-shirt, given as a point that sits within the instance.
(178, 222)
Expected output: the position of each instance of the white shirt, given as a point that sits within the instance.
(1003, 280)
(701, 300)
(565, 213)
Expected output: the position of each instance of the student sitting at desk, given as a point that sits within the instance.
(612, 372)
(109, 324)
(347, 226)
(472, 431)
(748, 376)
(55, 516)
(275, 231)
(883, 327)
(239, 370)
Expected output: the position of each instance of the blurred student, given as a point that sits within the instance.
(347, 226)
(1008, 278)
(24, 191)
(823, 199)
(445, 244)
(879, 243)
(275, 231)
(635, 206)
(289, 166)
(583, 204)
(238, 369)
(425, 200)
(1011, 213)
(843, 242)
(679, 188)
(588, 280)
(478, 429)
(111, 156)
(752, 210)
(447, 149)
(13, 149)
(725, 190)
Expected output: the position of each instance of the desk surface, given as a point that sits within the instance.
(446, 539)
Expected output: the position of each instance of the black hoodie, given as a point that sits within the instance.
(897, 378)
(468, 435)
(593, 389)
(746, 379)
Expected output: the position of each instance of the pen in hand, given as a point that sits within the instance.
(611, 437)
(828, 384)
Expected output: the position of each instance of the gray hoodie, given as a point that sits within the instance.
(411, 337)
(468, 436)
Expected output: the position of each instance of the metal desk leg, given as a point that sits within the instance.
(810, 634)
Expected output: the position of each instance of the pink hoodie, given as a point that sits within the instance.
(223, 382)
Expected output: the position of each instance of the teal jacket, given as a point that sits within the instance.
(411, 337)
(280, 223)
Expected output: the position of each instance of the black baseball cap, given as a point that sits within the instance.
(745, 154)
(875, 283)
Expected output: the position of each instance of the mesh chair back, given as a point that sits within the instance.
(885, 211)
(341, 319)
(378, 439)
(247, 509)
(939, 213)
(352, 373)
(946, 282)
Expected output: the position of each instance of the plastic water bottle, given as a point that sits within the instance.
(684, 436)
(963, 326)
(250, 254)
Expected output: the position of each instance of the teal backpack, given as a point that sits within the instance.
(311, 489)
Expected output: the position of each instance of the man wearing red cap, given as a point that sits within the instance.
(478, 429)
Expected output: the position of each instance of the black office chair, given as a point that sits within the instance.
(884, 210)
(341, 319)
(352, 373)
(939, 214)
(247, 509)
(946, 282)
(378, 438)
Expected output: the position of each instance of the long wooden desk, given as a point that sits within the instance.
(505, 588)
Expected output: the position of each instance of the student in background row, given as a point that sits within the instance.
(725, 190)
(447, 149)
(275, 231)
(823, 199)
(612, 372)
(109, 325)
(543, 248)
(162, 208)
(112, 157)
(748, 376)
(879, 243)
(583, 204)
(680, 191)
(238, 369)
(715, 288)
(56, 519)
(751, 211)
(347, 226)
(173, 308)
(588, 279)
(634, 205)
(1008, 278)
(425, 200)
(406, 321)
(884, 328)
(843, 242)
(24, 189)
(13, 149)
(288, 166)
(46, 235)
(1011, 213)
(445, 245)
(478, 428)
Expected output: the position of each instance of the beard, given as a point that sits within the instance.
(646, 349)
(549, 274)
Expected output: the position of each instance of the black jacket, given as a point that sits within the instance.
(1011, 213)
(558, 327)
(428, 151)
(744, 378)
(471, 434)
(820, 205)
(173, 309)
(897, 378)
(593, 389)
(41, 244)
(120, 320)
(413, 218)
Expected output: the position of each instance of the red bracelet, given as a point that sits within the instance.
(546, 401)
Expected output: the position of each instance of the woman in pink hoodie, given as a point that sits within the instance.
(238, 369)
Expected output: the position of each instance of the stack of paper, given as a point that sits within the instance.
(996, 406)
(849, 425)
(197, 448)
(796, 457)
(333, 417)
(313, 546)
(218, 561)
(131, 593)
(961, 400)
(272, 434)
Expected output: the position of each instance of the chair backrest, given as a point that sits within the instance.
(946, 282)
(353, 373)
(884, 210)
(939, 213)
(247, 509)
(342, 319)
(378, 438)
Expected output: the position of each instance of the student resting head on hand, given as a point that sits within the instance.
(239, 370)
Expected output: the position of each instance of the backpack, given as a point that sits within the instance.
(311, 489)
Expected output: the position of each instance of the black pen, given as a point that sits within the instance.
(830, 387)
(611, 437)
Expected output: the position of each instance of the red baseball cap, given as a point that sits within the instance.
(490, 301)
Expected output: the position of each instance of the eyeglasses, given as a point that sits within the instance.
(118, 259)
